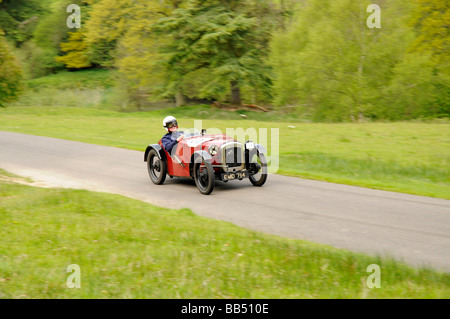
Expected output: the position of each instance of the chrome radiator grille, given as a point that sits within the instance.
(232, 155)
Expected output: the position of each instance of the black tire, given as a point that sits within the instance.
(204, 175)
(157, 167)
(260, 177)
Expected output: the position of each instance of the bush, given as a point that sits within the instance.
(10, 74)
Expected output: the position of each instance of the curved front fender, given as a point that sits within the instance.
(157, 148)
(256, 150)
(260, 148)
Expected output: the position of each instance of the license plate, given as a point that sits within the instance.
(234, 175)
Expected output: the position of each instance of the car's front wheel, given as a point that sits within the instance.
(258, 169)
(156, 167)
(204, 175)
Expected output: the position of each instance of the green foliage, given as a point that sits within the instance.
(318, 59)
(118, 34)
(217, 37)
(78, 79)
(10, 74)
(420, 86)
(432, 22)
(37, 61)
(417, 89)
(40, 51)
(18, 18)
(76, 49)
(333, 67)
(81, 49)
(87, 88)
(102, 53)
(332, 64)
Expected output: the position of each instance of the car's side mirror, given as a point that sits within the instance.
(203, 131)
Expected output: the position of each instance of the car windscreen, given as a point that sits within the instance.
(189, 133)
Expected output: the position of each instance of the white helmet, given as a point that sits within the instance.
(169, 122)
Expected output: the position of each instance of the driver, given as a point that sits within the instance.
(173, 136)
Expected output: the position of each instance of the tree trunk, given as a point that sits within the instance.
(235, 93)
(179, 98)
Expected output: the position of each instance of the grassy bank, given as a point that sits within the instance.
(410, 157)
(129, 249)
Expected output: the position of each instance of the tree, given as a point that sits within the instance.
(44, 47)
(432, 22)
(416, 90)
(118, 34)
(10, 74)
(18, 18)
(332, 65)
(421, 83)
(77, 52)
(215, 36)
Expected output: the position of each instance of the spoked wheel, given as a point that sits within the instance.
(258, 169)
(204, 175)
(156, 167)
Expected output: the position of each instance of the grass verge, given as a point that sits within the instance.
(129, 249)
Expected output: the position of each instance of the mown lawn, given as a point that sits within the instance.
(129, 249)
(410, 157)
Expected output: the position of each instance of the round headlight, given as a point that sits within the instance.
(213, 150)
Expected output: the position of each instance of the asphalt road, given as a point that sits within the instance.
(414, 229)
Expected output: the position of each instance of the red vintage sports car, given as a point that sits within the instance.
(207, 158)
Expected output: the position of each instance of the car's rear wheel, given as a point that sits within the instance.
(156, 167)
(204, 175)
(258, 169)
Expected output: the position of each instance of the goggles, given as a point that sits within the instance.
(172, 124)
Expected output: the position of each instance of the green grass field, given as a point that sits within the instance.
(410, 157)
(129, 249)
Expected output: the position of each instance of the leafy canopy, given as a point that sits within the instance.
(214, 35)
